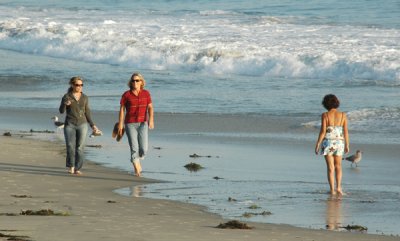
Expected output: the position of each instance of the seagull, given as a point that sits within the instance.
(57, 123)
(356, 158)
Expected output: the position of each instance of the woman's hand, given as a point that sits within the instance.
(120, 128)
(151, 124)
(67, 101)
(95, 129)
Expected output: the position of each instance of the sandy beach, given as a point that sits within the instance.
(33, 177)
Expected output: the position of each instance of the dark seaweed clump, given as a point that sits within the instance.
(21, 196)
(356, 228)
(234, 224)
(193, 167)
(14, 237)
(40, 131)
(43, 212)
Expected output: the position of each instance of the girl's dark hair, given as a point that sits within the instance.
(330, 102)
(72, 81)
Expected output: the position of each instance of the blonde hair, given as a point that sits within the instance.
(137, 74)
(72, 81)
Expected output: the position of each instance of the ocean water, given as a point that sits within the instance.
(271, 59)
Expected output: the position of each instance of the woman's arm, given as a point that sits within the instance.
(88, 113)
(121, 119)
(151, 115)
(63, 105)
(321, 134)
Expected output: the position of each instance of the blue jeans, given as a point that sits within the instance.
(138, 139)
(75, 137)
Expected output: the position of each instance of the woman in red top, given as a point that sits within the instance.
(136, 112)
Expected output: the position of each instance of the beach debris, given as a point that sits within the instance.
(43, 131)
(43, 212)
(110, 201)
(157, 148)
(8, 214)
(287, 196)
(193, 167)
(234, 224)
(254, 206)
(14, 237)
(194, 155)
(217, 178)
(354, 159)
(355, 227)
(7, 133)
(249, 215)
(95, 146)
(230, 199)
(21, 196)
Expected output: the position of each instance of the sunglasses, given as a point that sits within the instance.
(78, 85)
(135, 80)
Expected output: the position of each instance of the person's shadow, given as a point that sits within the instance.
(334, 213)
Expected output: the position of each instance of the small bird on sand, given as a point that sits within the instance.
(356, 158)
(57, 123)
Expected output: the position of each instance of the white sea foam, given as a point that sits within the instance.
(258, 46)
(385, 121)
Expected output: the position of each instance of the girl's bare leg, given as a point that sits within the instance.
(330, 172)
(338, 171)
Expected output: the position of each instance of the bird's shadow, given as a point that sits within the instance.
(355, 169)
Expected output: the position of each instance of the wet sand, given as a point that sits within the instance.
(33, 177)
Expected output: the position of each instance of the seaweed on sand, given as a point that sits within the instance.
(94, 146)
(21, 196)
(194, 155)
(41, 131)
(193, 167)
(43, 212)
(231, 199)
(14, 237)
(234, 224)
(356, 228)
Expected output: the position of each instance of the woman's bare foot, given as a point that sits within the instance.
(77, 172)
(138, 168)
(339, 191)
(71, 170)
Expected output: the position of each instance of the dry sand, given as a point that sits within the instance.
(36, 169)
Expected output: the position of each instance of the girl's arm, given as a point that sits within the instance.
(346, 135)
(321, 134)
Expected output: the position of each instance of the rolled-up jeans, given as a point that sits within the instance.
(137, 134)
(75, 137)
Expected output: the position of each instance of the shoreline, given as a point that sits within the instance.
(98, 213)
(177, 142)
